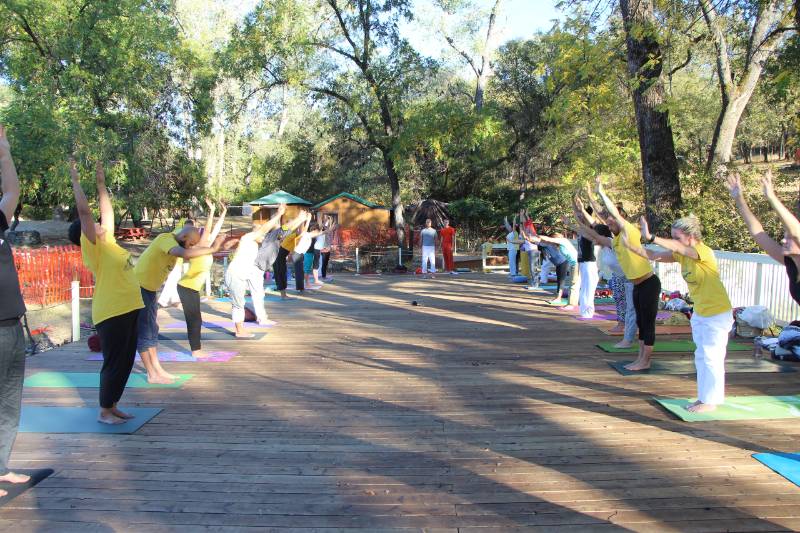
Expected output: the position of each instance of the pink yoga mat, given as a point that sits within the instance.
(221, 324)
(180, 357)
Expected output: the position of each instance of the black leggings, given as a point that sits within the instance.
(645, 300)
(118, 336)
(190, 301)
(562, 271)
(326, 256)
(279, 268)
(317, 260)
(299, 274)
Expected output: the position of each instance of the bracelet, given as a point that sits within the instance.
(652, 239)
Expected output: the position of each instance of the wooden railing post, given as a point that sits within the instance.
(759, 279)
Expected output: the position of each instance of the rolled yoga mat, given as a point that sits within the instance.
(87, 380)
(181, 357)
(680, 367)
(738, 408)
(15, 489)
(79, 420)
(670, 346)
(784, 464)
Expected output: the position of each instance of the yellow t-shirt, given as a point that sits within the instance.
(155, 263)
(633, 265)
(290, 242)
(705, 286)
(195, 277)
(116, 289)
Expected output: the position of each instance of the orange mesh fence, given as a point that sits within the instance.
(46, 274)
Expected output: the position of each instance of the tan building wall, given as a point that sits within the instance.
(265, 213)
(351, 213)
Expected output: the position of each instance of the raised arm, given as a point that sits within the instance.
(104, 200)
(507, 225)
(198, 251)
(764, 241)
(609, 205)
(218, 225)
(650, 255)
(598, 209)
(790, 222)
(82, 204)
(670, 244)
(273, 222)
(8, 173)
(208, 228)
(593, 236)
(581, 214)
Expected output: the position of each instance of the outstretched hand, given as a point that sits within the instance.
(598, 185)
(209, 203)
(281, 209)
(5, 146)
(733, 182)
(100, 172)
(645, 228)
(73, 170)
(767, 186)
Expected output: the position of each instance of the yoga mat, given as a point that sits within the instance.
(605, 307)
(15, 489)
(603, 301)
(86, 380)
(785, 464)
(181, 357)
(220, 324)
(660, 330)
(79, 420)
(732, 366)
(214, 335)
(267, 298)
(738, 408)
(559, 303)
(669, 346)
(613, 317)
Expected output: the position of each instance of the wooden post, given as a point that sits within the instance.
(759, 278)
(76, 311)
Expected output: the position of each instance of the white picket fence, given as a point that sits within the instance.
(750, 279)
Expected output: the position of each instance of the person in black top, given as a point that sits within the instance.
(12, 307)
(787, 251)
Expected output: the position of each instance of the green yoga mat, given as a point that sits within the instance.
(604, 300)
(732, 366)
(86, 380)
(738, 408)
(670, 346)
(79, 420)
(558, 303)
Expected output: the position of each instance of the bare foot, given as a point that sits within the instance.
(121, 414)
(166, 375)
(13, 477)
(623, 344)
(619, 328)
(244, 335)
(3, 493)
(266, 322)
(160, 380)
(638, 365)
(110, 419)
(700, 407)
(200, 354)
(568, 308)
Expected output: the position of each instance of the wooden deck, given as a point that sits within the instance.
(479, 410)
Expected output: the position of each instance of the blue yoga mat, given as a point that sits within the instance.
(79, 420)
(785, 464)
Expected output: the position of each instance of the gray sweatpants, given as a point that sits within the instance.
(12, 372)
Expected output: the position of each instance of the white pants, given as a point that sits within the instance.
(589, 279)
(428, 254)
(169, 294)
(546, 268)
(512, 261)
(238, 287)
(710, 334)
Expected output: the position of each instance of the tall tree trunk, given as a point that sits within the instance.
(486, 58)
(397, 201)
(662, 188)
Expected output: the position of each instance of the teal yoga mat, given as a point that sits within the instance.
(87, 380)
(670, 346)
(79, 420)
(732, 366)
(784, 464)
(738, 408)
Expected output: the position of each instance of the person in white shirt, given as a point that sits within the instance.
(243, 275)
(428, 238)
(513, 241)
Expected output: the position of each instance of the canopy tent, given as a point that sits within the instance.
(280, 197)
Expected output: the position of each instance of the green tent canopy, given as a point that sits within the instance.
(280, 197)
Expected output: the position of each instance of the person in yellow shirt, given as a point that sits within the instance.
(169, 292)
(117, 299)
(192, 282)
(151, 270)
(712, 317)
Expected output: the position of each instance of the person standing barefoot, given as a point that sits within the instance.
(447, 236)
(428, 238)
(12, 307)
(117, 299)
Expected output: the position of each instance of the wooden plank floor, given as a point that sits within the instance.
(480, 410)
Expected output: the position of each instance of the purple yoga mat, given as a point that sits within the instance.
(663, 315)
(180, 357)
(219, 324)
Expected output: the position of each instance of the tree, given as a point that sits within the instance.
(765, 31)
(645, 65)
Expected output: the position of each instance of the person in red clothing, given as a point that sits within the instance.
(447, 236)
